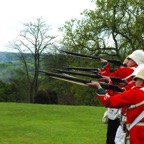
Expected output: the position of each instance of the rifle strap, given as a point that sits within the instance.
(138, 119)
(138, 104)
(129, 75)
(140, 116)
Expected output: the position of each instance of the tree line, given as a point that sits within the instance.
(113, 29)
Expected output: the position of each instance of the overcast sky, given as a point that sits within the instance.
(56, 12)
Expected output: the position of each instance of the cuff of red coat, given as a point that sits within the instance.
(101, 91)
(103, 64)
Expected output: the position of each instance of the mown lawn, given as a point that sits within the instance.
(51, 124)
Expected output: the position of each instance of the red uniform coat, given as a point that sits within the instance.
(126, 99)
(121, 72)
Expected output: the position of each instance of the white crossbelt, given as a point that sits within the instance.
(136, 105)
(140, 124)
(137, 120)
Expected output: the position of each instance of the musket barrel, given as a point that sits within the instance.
(104, 85)
(80, 73)
(66, 77)
(114, 79)
(94, 57)
(82, 55)
(89, 69)
(80, 68)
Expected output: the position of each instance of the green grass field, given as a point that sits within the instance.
(51, 124)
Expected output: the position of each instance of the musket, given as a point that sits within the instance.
(89, 69)
(119, 63)
(79, 81)
(114, 79)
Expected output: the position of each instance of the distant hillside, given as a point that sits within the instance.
(8, 56)
(13, 57)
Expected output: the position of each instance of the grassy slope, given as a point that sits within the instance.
(51, 124)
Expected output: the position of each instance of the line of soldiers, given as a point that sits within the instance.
(124, 112)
